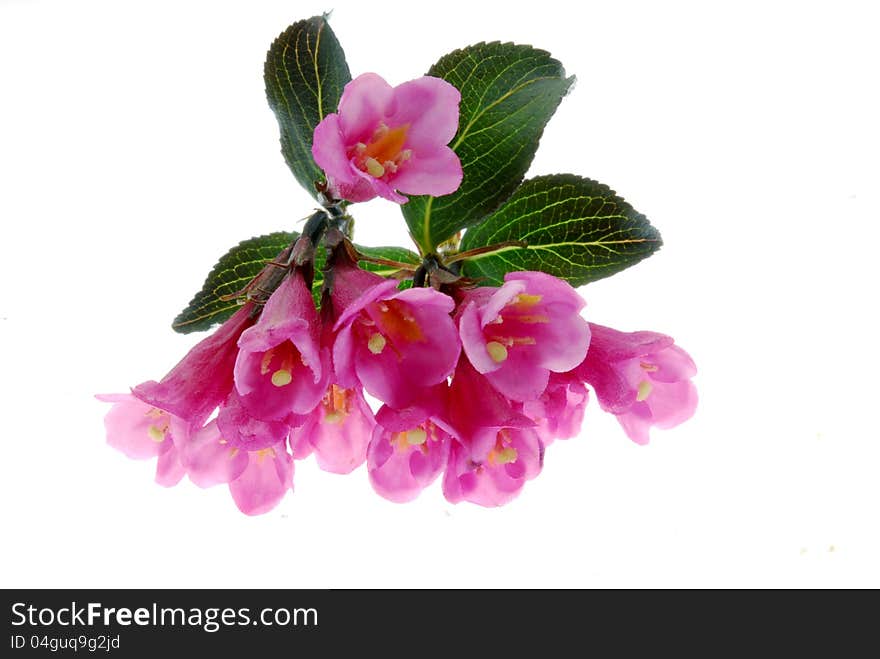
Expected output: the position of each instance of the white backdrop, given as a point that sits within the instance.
(136, 147)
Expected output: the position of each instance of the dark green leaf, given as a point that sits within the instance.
(574, 228)
(233, 272)
(242, 263)
(508, 94)
(305, 73)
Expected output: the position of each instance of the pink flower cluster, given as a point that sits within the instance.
(473, 387)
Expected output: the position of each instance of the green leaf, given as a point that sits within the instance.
(508, 94)
(242, 263)
(398, 254)
(574, 228)
(233, 272)
(305, 73)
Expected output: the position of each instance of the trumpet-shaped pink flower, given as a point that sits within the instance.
(384, 139)
(203, 378)
(281, 368)
(409, 448)
(495, 477)
(337, 431)
(142, 431)
(497, 448)
(641, 377)
(559, 411)
(394, 343)
(518, 334)
(258, 479)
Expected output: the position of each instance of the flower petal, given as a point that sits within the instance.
(434, 173)
(264, 482)
(209, 461)
(430, 106)
(364, 104)
(329, 151)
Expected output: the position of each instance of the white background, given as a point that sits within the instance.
(136, 146)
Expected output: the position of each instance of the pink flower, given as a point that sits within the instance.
(409, 448)
(243, 431)
(518, 334)
(203, 378)
(394, 343)
(496, 477)
(258, 479)
(497, 450)
(384, 139)
(559, 411)
(642, 377)
(281, 368)
(337, 431)
(142, 431)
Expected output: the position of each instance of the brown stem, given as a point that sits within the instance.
(380, 261)
(488, 249)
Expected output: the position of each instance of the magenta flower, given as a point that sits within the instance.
(496, 477)
(395, 343)
(518, 334)
(281, 368)
(409, 448)
(384, 139)
(203, 378)
(142, 431)
(497, 450)
(337, 431)
(258, 479)
(641, 377)
(559, 411)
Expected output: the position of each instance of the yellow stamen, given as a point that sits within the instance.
(156, 433)
(282, 377)
(334, 417)
(376, 344)
(644, 390)
(262, 453)
(506, 456)
(398, 323)
(416, 436)
(387, 143)
(502, 453)
(374, 168)
(266, 361)
(533, 318)
(398, 441)
(496, 351)
(525, 301)
(511, 341)
(650, 368)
